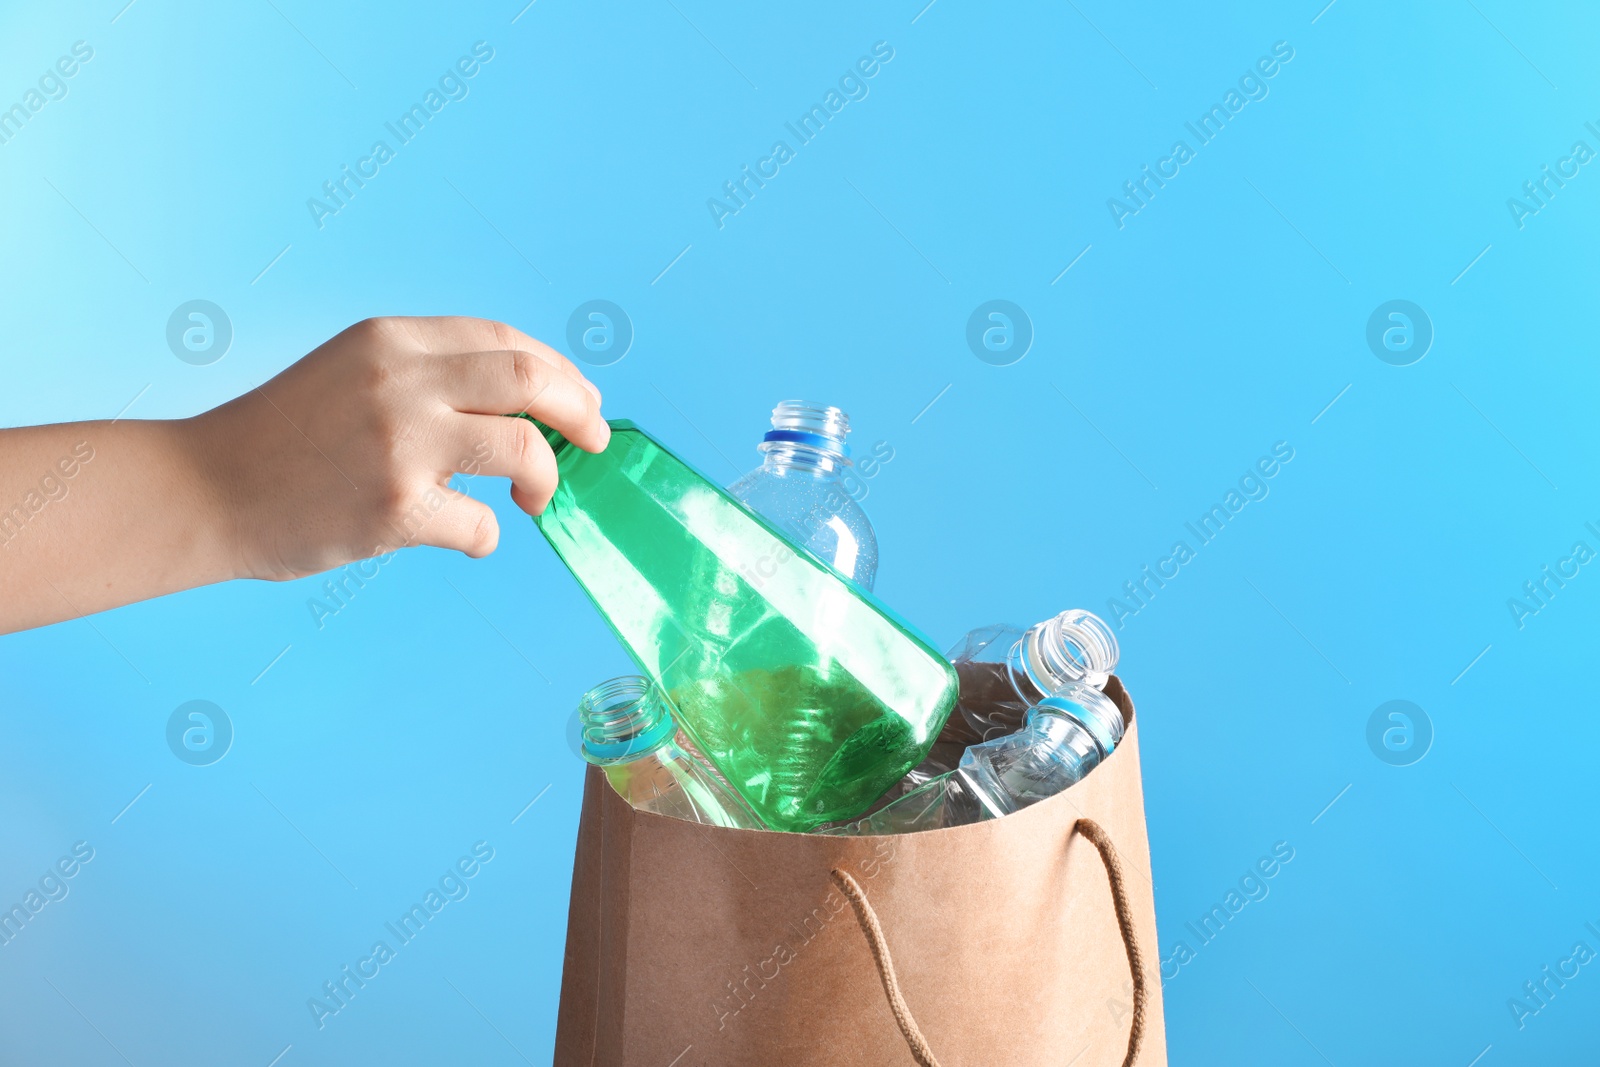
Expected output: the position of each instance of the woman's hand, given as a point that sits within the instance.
(345, 455)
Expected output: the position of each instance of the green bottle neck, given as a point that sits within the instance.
(554, 437)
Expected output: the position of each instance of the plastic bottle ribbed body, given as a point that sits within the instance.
(802, 487)
(1066, 736)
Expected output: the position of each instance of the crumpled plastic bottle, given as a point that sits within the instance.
(1064, 737)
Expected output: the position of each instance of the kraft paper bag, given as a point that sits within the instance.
(1028, 940)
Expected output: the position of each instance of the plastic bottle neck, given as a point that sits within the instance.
(1064, 737)
(552, 437)
(624, 719)
(1075, 646)
(806, 437)
(1079, 709)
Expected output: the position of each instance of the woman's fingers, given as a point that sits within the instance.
(445, 518)
(505, 448)
(474, 445)
(460, 334)
(503, 382)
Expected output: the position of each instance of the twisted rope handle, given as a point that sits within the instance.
(1130, 941)
(918, 1044)
(880, 955)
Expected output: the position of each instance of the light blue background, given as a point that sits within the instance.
(1224, 317)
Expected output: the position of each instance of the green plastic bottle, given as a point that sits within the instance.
(806, 693)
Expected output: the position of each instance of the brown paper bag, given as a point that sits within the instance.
(1028, 940)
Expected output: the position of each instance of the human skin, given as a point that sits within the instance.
(345, 455)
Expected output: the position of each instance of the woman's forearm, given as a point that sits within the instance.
(97, 514)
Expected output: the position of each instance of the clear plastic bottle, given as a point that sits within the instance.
(1005, 670)
(629, 732)
(800, 488)
(1065, 736)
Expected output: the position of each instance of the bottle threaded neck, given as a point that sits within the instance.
(623, 719)
(806, 434)
(1089, 708)
(552, 437)
(1074, 646)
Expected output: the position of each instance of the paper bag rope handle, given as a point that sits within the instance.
(891, 984)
